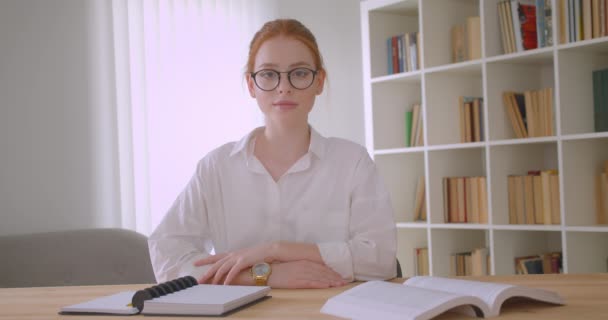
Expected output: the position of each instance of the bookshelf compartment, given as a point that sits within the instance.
(391, 100)
(509, 244)
(516, 160)
(576, 66)
(385, 22)
(587, 252)
(400, 173)
(451, 163)
(580, 178)
(438, 18)
(443, 105)
(533, 72)
(450, 241)
(408, 241)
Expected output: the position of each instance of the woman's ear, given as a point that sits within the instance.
(320, 81)
(250, 85)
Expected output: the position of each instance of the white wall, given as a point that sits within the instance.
(335, 24)
(58, 160)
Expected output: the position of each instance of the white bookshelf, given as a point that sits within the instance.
(575, 149)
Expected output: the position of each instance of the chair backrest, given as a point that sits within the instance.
(75, 257)
(399, 272)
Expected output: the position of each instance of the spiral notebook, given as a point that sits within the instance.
(182, 296)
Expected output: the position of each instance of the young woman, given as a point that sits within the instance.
(283, 206)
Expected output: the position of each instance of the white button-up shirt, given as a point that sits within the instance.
(332, 196)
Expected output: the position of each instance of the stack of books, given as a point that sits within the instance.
(466, 40)
(413, 127)
(534, 198)
(472, 263)
(465, 200)
(470, 110)
(582, 19)
(530, 112)
(403, 53)
(539, 264)
(525, 24)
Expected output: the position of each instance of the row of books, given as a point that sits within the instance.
(403, 52)
(534, 198)
(600, 100)
(602, 195)
(525, 24)
(422, 261)
(413, 127)
(582, 20)
(473, 263)
(466, 40)
(530, 112)
(470, 110)
(465, 200)
(545, 263)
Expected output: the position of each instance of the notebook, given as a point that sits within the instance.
(182, 296)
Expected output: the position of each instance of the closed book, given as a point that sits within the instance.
(473, 37)
(408, 128)
(182, 296)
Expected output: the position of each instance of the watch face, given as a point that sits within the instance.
(261, 269)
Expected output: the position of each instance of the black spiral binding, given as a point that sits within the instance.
(161, 289)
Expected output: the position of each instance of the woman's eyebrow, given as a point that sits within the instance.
(274, 65)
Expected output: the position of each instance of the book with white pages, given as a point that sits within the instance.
(425, 297)
(183, 296)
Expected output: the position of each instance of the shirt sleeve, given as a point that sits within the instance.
(370, 253)
(182, 237)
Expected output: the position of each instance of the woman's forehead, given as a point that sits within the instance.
(283, 52)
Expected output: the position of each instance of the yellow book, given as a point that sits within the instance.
(483, 200)
(555, 199)
(546, 187)
(538, 200)
(529, 199)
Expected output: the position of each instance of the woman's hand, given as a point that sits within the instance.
(303, 274)
(227, 266)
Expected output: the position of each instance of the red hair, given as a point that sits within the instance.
(284, 27)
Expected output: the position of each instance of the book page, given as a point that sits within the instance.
(114, 304)
(493, 294)
(385, 300)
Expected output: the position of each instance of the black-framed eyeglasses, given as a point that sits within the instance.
(299, 78)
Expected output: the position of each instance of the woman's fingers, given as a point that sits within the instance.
(209, 260)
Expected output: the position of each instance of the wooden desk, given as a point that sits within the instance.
(586, 297)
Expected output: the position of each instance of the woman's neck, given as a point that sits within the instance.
(279, 148)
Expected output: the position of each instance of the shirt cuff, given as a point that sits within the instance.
(188, 268)
(337, 256)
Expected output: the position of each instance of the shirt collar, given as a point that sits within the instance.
(318, 143)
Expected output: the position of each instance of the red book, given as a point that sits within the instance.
(527, 20)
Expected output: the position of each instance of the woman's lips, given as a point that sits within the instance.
(285, 105)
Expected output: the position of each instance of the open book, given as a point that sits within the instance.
(426, 297)
(181, 296)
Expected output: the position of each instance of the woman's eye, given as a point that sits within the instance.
(267, 74)
(301, 73)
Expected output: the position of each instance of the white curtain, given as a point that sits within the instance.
(180, 93)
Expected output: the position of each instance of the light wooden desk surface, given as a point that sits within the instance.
(586, 297)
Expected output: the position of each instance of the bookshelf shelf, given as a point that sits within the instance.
(573, 148)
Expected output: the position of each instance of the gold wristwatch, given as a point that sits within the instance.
(260, 273)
